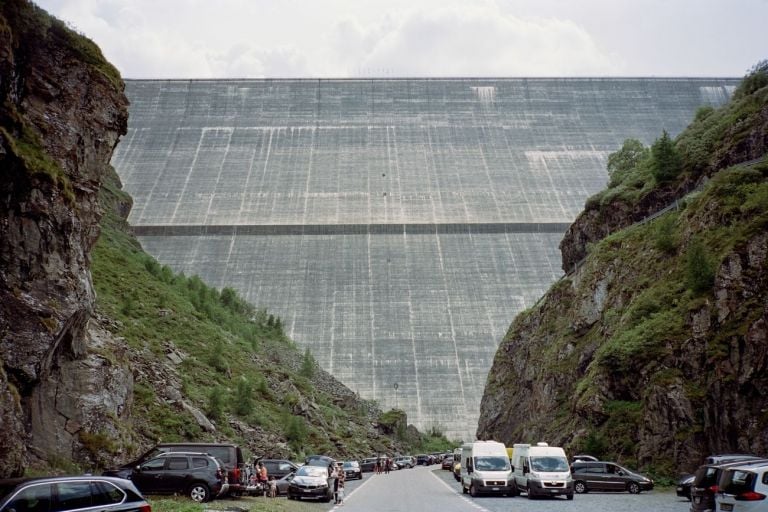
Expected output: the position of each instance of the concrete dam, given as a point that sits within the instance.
(396, 226)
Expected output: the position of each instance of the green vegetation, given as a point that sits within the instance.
(659, 295)
(666, 162)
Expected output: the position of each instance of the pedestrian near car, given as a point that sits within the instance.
(338, 491)
(272, 487)
(263, 478)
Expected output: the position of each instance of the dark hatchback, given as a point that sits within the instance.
(352, 470)
(61, 494)
(607, 476)
(199, 476)
(279, 468)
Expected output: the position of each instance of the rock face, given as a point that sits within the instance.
(624, 357)
(63, 110)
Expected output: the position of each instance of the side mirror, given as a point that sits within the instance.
(525, 470)
(620, 473)
(512, 468)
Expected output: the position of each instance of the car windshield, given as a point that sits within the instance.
(311, 471)
(549, 464)
(489, 463)
(352, 464)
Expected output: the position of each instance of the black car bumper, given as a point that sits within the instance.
(315, 493)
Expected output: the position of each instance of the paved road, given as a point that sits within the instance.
(428, 489)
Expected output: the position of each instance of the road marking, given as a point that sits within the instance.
(347, 496)
(460, 494)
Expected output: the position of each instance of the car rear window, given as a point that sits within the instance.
(36, 498)
(199, 462)
(220, 452)
(104, 493)
(73, 495)
(738, 481)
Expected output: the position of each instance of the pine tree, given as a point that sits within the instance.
(667, 163)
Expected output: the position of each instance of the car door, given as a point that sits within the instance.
(595, 476)
(616, 478)
(175, 475)
(34, 498)
(149, 476)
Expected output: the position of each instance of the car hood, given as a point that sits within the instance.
(310, 480)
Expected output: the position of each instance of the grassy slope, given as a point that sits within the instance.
(229, 344)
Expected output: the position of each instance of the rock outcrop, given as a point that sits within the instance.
(640, 354)
(63, 110)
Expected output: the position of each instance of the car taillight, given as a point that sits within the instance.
(713, 489)
(236, 474)
(145, 508)
(750, 496)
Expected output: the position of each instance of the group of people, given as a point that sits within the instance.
(336, 472)
(382, 465)
(258, 477)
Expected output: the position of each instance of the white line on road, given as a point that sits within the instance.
(467, 500)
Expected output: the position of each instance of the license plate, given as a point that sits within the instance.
(495, 488)
(726, 506)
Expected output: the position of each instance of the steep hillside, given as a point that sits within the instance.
(654, 350)
(95, 371)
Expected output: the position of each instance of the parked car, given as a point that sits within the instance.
(368, 464)
(352, 470)
(706, 478)
(423, 459)
(743, 488)
(405, 461)
(583, 458)
(447, 463)
(319, 460)
(684, 484)
(199, 476)
(310, 482)
(283, 484)
(64, 493)
(608, 476)
(229, 454)
(279, 467)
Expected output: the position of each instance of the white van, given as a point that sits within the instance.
(542, 470)
(485, 469)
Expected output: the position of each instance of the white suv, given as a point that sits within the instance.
(743, 489)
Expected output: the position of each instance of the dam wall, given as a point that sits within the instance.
(396, 226)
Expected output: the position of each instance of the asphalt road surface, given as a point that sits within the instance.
(426, 489)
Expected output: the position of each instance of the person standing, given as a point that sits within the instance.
(339, 488)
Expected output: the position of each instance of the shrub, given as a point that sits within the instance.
(666, 162)
(756, 78)
(699, 268)
(296, 432)
(664, 236)
(216, 403)
(307, 365)
(624, 160)
(243, 405)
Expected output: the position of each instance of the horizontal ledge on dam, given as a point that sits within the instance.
(351, 229)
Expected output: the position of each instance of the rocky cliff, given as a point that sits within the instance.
(654, 350)
(90, 381)
(63, 110)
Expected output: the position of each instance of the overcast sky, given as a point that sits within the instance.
(422, 38)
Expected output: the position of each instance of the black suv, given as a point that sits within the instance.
(198, 475)
(607, 476)
(229, 454)
(706, 479)
(71, 493)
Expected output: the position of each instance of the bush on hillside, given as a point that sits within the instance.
(667, 163)
(626, 159)
(756, 78)
(699, 268)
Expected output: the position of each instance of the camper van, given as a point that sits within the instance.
(485, 469)
(541, 470)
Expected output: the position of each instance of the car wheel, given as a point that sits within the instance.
(580, 487)
(199, 492)
(570, 496)
(530, 494)
(633, 488)
(472, 490)
(463, 489)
